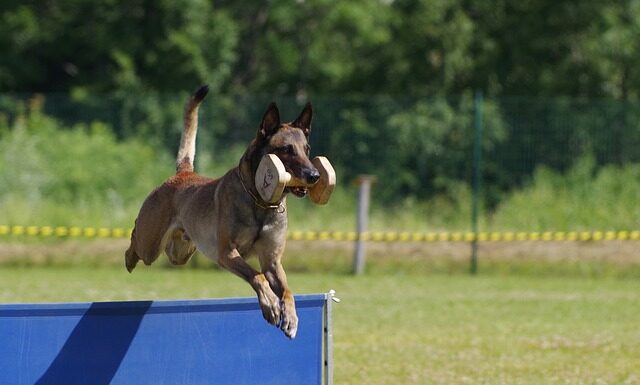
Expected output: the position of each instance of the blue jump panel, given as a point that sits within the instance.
(223, 341)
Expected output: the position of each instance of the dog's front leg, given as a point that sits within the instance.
(231, 260)
(274, 272)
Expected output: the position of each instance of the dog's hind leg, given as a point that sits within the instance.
(146, 248)
(150, 233)
(130, 256)
(179, 247)
(145, 245)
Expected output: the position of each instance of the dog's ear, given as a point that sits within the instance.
(270, 122)
(303, 121)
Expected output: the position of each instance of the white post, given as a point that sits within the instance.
(364, 191)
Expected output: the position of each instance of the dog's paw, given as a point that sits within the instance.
(270, 305)
(130, 259)
(289, 323)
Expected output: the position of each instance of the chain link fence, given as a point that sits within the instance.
(420, 148)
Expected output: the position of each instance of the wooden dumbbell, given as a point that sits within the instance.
(272, 178)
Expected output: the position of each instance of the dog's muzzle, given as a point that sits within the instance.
(300, 192)
(310, 176)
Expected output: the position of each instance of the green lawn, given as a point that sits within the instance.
(423, 329)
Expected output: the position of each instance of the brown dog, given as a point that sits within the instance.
(225, 218)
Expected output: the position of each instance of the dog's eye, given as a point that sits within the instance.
(288, 149)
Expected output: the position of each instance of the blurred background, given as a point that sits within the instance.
(504, 137)
(91, 100)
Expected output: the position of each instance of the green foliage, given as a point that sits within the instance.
(434, 141)
(83, 176)
(114, 45)
(586, 197)
(72, 176)
(317, 46)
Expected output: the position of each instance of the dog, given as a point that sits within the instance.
(225, 218)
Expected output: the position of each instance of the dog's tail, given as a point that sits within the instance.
(187, 151)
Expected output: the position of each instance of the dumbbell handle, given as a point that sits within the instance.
(290, 181)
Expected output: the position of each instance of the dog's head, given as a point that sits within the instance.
(290, 142)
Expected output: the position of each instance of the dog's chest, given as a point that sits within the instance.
(263, 232)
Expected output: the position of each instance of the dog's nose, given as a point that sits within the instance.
(312, 176)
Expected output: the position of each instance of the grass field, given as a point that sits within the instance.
(410, 328)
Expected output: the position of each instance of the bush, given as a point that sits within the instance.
(76, 176)
(584, 198)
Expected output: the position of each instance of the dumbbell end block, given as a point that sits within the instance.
(271, 178)
(321, 191)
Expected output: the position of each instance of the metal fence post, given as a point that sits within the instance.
(477, 160)
(364, 191)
